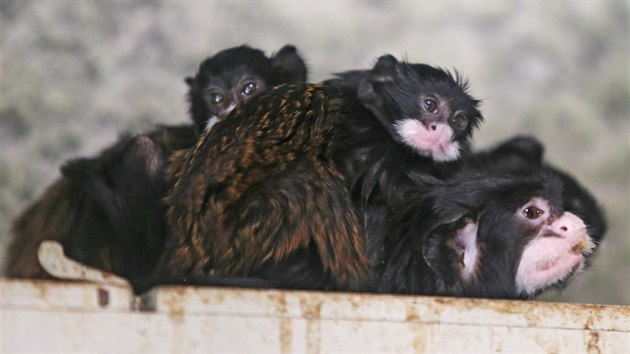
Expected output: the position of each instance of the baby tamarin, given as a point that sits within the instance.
(234, 74)
(279, 188)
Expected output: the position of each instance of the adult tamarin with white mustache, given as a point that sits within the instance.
(484, 235)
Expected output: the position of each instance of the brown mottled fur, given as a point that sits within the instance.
(255, 191)
(293, 184)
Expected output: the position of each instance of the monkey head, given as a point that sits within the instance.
(423, 107)
(235, 74)
(523, 155)
(492, 237)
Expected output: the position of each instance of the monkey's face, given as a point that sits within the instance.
(225, 80)
(221, 93)
(423, 107)
(515, 257)
(236, 74)
(557, 246)
(510, 243)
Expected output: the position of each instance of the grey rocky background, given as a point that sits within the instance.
(74, 74)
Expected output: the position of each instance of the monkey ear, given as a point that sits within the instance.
(526, 146)
(288, 60)
(190, 81)
(386, 69)
(144, 156)
(367, 95)
(80, 169)
(381, 72)
(451, 250)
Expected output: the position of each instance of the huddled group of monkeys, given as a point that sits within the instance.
(363, 182)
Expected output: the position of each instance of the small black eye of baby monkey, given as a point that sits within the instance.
(235, 74)
(277, 188)
(485, 236)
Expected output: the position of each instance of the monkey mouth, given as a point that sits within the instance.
(553, 268)
(575, 254)
(436, 143)
(563, 263)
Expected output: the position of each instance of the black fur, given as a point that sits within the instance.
(227, 72)
(291, 178)
(523, 155)
(106, 211)
(418, 257)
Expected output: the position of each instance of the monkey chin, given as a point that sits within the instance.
(436, 143)
(534, 276)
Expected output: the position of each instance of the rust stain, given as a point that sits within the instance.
(592, 346)
(42, 287)
(175, 307)
(442, 301)
(589, 323)
(412, 314)
(313, 335)
(285, 331)
(179, 290)
(286, 335)
(311, 309)
(419, 339)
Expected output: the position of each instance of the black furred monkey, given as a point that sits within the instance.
(279, 188)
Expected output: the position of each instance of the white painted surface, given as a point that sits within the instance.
(41, 316)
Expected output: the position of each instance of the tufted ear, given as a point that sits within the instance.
(386, 69)
(368, 96)
(528, 148)
(289, 61)
(370, 91)
(382, 71)
(451, 250)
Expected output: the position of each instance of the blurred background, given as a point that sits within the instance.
(75, 74)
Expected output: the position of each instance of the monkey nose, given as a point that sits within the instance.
(568, 224)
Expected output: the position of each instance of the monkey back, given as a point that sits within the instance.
(261, 187)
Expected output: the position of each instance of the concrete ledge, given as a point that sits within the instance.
(51, 316)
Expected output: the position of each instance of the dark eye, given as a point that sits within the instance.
(459, 121)
(248, 89)
(532, 213)
(429, 105)
(216, 98)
